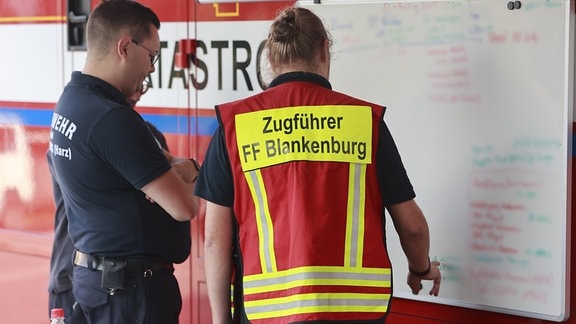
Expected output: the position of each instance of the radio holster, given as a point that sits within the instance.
(113, 274)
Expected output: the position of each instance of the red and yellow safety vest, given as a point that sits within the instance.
(308, 205)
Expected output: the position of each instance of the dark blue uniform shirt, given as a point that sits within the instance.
(103, 153)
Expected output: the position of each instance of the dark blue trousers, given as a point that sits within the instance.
(154, 299)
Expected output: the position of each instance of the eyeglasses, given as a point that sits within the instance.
(153, 54)
(145, 87)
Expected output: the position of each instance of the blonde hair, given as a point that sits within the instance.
(295, 37)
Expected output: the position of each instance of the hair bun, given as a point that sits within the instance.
(286, 27)
(296, 36)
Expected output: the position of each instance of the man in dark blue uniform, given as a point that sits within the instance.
(61, 266)
(128, 205)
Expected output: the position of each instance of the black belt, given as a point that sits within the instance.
(140, 265)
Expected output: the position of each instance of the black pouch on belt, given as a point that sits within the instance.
(113, 273)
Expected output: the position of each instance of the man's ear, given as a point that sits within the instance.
(122, 47)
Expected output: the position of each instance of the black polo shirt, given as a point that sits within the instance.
(103, 153)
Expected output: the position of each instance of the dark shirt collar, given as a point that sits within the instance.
(300, 76)
(101, 86)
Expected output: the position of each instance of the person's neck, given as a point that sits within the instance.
(300, 68)
(103, 72)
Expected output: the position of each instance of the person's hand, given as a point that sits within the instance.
(168, 156)
(187, 169)
(415, 282)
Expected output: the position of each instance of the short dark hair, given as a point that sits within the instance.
(112, 17)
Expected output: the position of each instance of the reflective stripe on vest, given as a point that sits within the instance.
(316, 303)
(263, 221)
(332, 302)
(355, 215)
(317, 275)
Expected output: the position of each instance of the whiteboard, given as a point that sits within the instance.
(479, 101)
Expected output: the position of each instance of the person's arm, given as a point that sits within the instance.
(218, 260)
(412, 229)
(124, 142)
(174, 194)
(187, 170)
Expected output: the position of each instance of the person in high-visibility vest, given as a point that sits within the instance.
(297, 179)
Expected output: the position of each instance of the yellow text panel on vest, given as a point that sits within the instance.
(311, 133)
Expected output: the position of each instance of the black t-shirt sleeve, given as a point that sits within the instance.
(394, 182)
(215, 182)
(126, 144)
